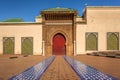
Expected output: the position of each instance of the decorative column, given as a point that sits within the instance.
(74, 48)
(74, 33)
(43, 33)
(43, 27)
(43, 48)
(75, 14)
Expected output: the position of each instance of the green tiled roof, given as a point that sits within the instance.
(39, 16)
(13, 20)
(59, 9)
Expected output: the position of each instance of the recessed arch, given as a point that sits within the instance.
(27, 45)
(112, 41)
(8, 45)
(59, 44)
(60, 32)
(91, 41)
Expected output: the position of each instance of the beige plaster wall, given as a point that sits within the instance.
(18, 30)
(101, 20)
(38, 19)
(79, 19)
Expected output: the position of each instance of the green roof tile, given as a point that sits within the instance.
(39, 16)
(59, 9)
(13, 20)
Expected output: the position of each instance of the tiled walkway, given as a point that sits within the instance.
(10, 67)
(35, 72)
(86, 72)
(104, 64)
(60, 70)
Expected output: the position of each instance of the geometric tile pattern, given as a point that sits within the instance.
(34, 72)
(86, 72)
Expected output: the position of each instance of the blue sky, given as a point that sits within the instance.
(28, 9)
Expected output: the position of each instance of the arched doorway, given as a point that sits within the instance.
(59, 47)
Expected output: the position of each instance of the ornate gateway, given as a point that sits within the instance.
(59, 22)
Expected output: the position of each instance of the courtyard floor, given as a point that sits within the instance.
(11, 67)
(59, 68)
(106, 65)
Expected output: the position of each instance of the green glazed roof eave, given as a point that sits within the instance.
(57, 9)
(39, 16)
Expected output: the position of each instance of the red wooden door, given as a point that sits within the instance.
(59, 45)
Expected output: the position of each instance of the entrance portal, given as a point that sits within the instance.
(59, 47)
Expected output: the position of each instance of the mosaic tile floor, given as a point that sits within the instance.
(86, 72)
(59, 69)
(35, 72)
